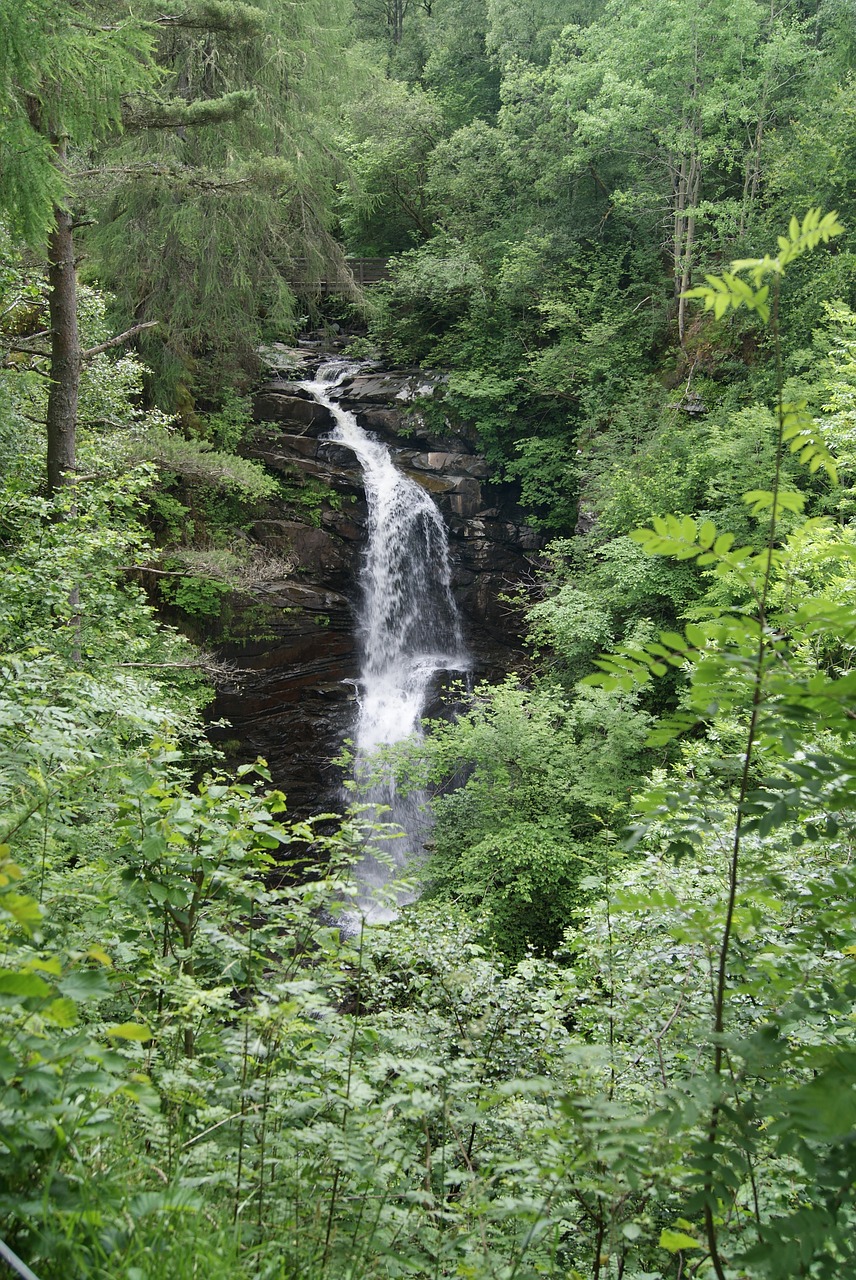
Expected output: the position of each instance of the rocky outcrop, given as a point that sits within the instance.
(292, 700)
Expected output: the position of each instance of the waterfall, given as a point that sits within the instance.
(408, 626)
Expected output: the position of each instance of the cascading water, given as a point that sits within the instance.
(408, 624)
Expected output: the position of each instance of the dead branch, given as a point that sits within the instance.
(118, 340)
(27, 351)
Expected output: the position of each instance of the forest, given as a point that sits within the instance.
(612, 1036)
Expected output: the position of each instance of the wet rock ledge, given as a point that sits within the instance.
(293, 641)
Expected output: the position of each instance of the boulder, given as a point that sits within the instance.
(304, 416)
(281, 359)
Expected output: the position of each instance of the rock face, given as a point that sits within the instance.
(293, 643)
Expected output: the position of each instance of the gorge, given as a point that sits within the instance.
(318, 659)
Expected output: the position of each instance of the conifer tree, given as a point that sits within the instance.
(73, 75)
(64, 75)
(218, 216)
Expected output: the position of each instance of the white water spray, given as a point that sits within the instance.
(408, 624)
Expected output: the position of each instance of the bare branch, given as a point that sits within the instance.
(117, 341)
(162, 573)
(163, 666)
(215, 668)
(27, 351)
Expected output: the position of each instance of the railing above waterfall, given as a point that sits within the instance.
(358, 271)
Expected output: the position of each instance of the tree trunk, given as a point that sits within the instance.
(65, 349)
(679, 200)
(685, 267)
(397, 20)
(752, 172)
(687, 195)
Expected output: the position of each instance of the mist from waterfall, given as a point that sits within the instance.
(408, 626)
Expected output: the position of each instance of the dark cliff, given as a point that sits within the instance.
(293, 644)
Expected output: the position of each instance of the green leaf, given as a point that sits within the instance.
(707, 534)
(696, 636)
(62, 1012)
(46, 964)
(15, 983)
(785, 500)
(790, 500)
(671, 727)
(130, 1031)
(759, 499)
(24, 910)
(85, 984)
(675, 1241)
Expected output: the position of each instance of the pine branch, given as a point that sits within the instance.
(143, 170)
(191, 176)
(29, 351)
(214, 15)
(176, 113)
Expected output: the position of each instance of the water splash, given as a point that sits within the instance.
(408, 624)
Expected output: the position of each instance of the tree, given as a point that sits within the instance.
(386, 18)
(458, 69)
(64, 76)
(665, 107)
(218, 216)
(530, 783)
(393, 133)
(72, 76)
(526, 31)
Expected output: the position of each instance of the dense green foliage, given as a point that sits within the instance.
(200, 138)
(614, 1037)
(647, 145)
(539, 784)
